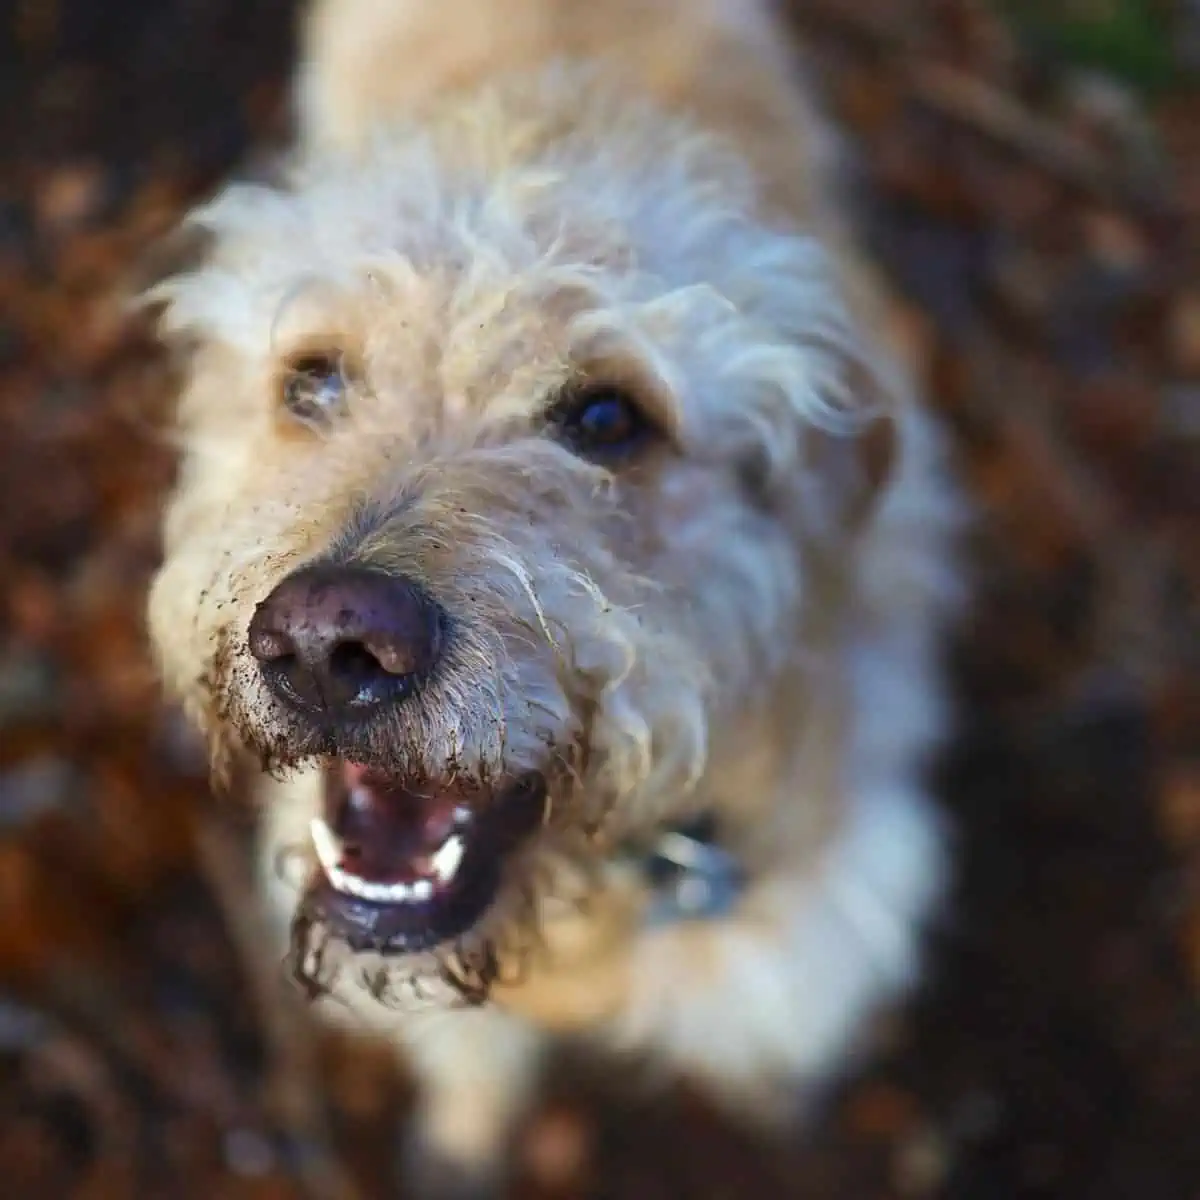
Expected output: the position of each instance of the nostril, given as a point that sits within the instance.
(399, 652)
(353, 662)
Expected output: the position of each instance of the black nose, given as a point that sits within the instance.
(344, 638)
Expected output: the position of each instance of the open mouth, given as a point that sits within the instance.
(407, 865)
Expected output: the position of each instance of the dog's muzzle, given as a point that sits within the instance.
(405, 863)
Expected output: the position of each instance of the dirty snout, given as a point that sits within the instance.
(407, 857)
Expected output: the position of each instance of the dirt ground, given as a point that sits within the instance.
(1043, 225)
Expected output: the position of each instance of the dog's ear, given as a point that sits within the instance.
(845, 471)
(849, 460)
(834, 377)
(882, 355)
(854, 467)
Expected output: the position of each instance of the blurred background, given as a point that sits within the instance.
(1029, 175)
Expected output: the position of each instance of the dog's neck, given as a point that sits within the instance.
(774, 778)
(697, 867)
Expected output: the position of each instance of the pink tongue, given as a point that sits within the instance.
(388, 829)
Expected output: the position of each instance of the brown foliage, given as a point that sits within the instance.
(1045, 240)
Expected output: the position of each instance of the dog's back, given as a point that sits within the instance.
(720, 62)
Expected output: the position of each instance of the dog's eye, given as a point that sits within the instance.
(600, 421)
(314, 389)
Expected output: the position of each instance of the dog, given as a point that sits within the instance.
(560, 538)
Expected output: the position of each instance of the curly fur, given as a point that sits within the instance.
(743, 622)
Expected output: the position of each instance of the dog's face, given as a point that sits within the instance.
(503, 489)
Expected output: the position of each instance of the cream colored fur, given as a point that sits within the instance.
(488, 199)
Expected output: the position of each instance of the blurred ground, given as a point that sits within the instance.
(1044, 224)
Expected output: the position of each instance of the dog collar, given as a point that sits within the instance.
(691, 876)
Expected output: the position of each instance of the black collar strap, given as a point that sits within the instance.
(692, 876)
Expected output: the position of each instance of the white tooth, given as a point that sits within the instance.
(388, 893)
(329, 853)
(326, 844)
(447, 859)
(351, 885)
(371, 891)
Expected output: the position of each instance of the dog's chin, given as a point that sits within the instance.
(406, 864)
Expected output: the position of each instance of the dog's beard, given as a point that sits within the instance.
(399, 919)
(462, 970)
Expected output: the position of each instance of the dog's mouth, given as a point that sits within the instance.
(406, 865)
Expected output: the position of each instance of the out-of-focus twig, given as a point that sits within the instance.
(974, 103)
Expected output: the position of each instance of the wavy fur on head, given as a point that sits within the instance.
(739, 619)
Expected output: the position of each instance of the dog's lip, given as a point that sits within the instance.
(406, 864)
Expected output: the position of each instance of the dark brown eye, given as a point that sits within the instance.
(314, 389)
(601, 421)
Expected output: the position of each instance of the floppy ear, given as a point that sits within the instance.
(882, 357)
(846, 455)
(842, 468)
(854, 467)
(828, 382)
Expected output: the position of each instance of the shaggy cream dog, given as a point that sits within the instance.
(556, 532)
